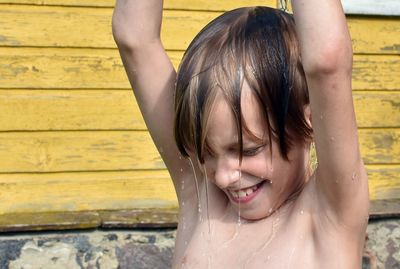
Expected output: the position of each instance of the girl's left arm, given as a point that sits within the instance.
(326, 53)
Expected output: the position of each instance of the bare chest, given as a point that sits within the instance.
(272, 243)
(228, 244)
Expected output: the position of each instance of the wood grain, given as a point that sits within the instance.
(56, 110)
(99, 68)
(131, 150)
(168, 4)
(86, 27)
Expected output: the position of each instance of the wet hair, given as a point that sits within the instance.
(256, 44)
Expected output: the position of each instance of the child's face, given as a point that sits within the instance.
(265, 182)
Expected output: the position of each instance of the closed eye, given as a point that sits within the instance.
(252, 151)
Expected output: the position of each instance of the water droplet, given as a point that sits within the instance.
(268, 257)
(161, 150)
(332, 138)
(180, 157)
(354, 176)
(186, 243)
(337, 181)
(181, 170)
(183, 203)
(270, 210)
(302, 212)
(321, 117)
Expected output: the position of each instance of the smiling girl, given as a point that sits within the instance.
(234, 128)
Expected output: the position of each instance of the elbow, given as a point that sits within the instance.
(123, 38)
(330, 59)
(129, 38)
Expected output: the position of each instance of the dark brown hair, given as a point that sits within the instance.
(258, 45)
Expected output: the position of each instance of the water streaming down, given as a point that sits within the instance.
(240, 187)
(197, 190)
(207, 202)
(269, 239)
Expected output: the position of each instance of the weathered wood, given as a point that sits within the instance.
(384, 182)
(136, 218)
(385, 209)
(97, 68)
(64, 68)
(168, 4)
(17, 222)
(375, 35)
(85, 191)
(375, 72)
(77, 151)
(91, 28)
(380, 146)
(377, 109)
(33, 110)
(129, 150)
(149, 218)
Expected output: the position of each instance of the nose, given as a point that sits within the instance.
(226, 171)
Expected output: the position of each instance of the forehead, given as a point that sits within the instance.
(222, 125)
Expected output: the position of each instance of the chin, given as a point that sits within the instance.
(253, 216)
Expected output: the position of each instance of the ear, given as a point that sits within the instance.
(307, 114)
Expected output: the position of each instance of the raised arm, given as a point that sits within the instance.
(326, 54)
(136, 28)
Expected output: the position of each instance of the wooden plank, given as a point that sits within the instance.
(376, 72)
(168, 4)
(135, 218)
(64, 68)
(131, 150)
(89, 200)
(39, 110)
(148, 218)
(27, 193)
(380, 146)
(77, 151)
(91, 27)
(35, 110)
(377, 109)
(381, 209)
(18, 222)
(81, 192)
(375, 35)
(384, 182)
(102, 68)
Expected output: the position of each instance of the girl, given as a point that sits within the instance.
(234, 128)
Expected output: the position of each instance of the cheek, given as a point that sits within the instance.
(258, 166)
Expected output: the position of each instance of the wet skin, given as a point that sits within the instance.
(265, 178)
(271, 232)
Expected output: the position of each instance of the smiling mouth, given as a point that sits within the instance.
(247, 194)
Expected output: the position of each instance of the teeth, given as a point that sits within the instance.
(244, 192)
(241, 194)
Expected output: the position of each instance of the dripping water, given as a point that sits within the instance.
(240, 187)
(197, 191)
(354, 176)
(207, 202)
(275, 222)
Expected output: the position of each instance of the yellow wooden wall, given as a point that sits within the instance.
(73, 142)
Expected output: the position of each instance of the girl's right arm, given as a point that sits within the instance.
(136, 28)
